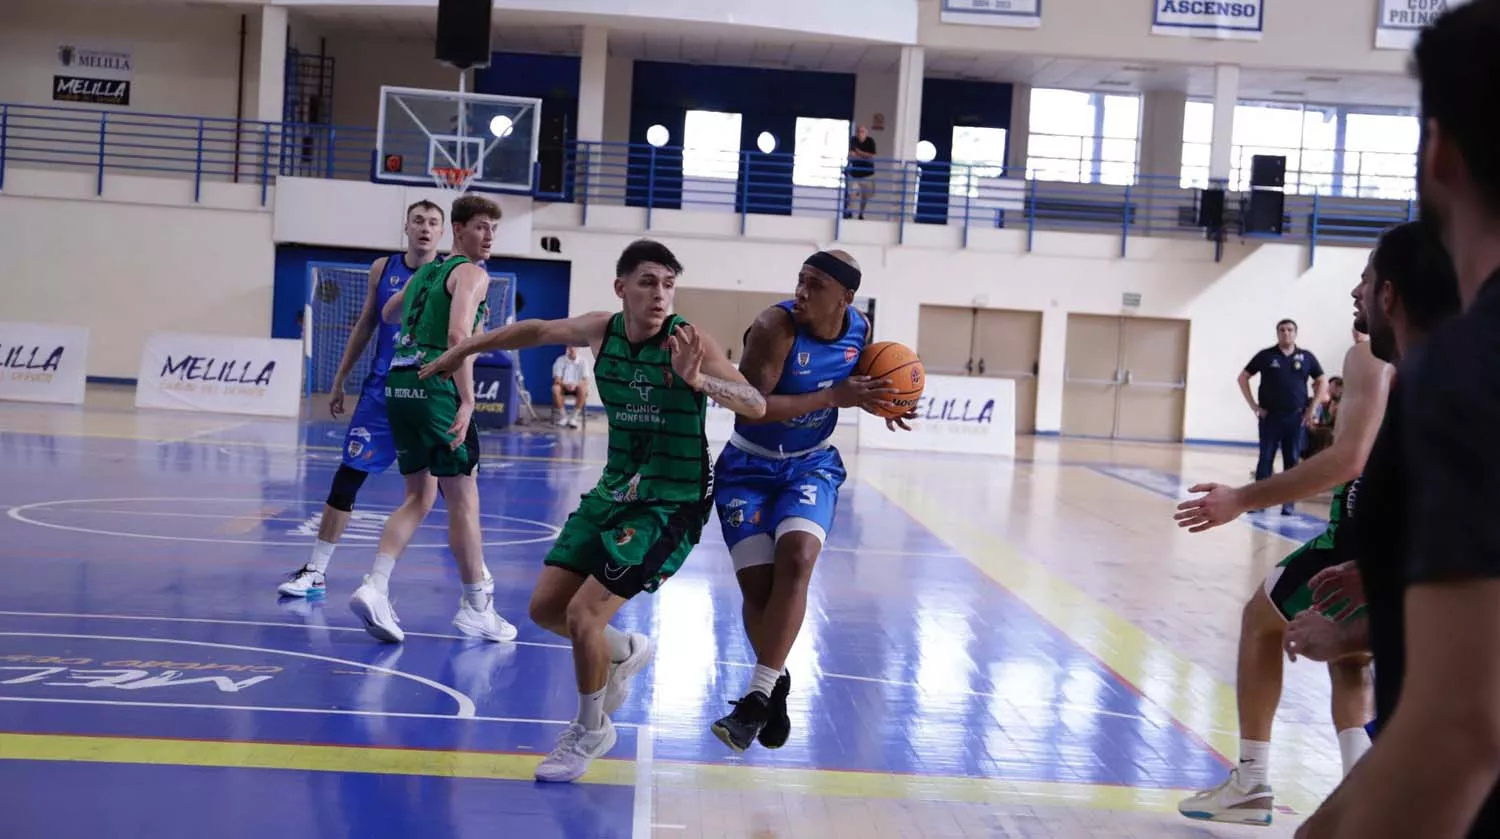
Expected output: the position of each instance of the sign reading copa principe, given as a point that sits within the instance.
(1402, 20)
(955, 414)
(220, 374)
(43, 362)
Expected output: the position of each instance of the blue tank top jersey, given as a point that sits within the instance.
(392, 280)
(811, 365)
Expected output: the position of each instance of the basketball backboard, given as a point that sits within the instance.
(457, 140)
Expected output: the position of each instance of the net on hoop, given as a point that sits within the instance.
(452, 177)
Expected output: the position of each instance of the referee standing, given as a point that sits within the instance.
(1285, 407)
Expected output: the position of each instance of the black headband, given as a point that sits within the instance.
(842, 272)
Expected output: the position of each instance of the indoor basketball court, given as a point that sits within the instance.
(1007, 634)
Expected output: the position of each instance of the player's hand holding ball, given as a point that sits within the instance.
(900, 367)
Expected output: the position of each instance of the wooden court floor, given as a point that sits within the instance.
(993, 648)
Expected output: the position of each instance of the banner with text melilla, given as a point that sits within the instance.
(955, 414)
(1402, 20)
(220, 374)
(1236, 19)
(43, 362)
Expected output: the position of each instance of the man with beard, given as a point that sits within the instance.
(1429, 537)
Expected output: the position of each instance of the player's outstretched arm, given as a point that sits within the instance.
(767, 345)
(702, 364)
(1367, 382)
(391, 312)
(582, 331)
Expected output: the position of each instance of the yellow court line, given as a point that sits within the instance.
(513, 767)
(1188, 691)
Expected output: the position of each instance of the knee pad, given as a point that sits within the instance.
(346, 484)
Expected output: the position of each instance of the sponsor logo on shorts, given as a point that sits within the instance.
(359, 437)
(735, 512)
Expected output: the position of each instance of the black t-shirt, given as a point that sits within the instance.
(1433, 473)
(1284, 378)
(860, 167)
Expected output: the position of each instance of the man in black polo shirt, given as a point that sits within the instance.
(1284, 407)
(1429, 525)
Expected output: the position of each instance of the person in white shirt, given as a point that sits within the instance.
(569, 378)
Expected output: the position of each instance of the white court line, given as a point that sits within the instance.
(17, 511)
(645, 783)
(465, 704)
(1080, 709)
(345, 712)
(262, 623)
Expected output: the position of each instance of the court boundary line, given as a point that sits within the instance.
(1247, 519)
(466, 709)
(612, 771)
(1163, 716)
(644, 804)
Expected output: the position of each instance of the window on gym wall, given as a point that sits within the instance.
(1380, 159)
(1376, 158)
(1083, 137)
(822, 150)
(711, 145)
(978, 153)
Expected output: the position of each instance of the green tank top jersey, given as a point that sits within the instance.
(424, 314)
(658, 452)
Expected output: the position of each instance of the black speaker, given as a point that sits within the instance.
(1211, 209)
(552, 149)
(1267, 171)
(463, 33)
(1266, 213)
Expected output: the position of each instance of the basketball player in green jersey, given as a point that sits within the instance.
(437, 447)
(636, 526)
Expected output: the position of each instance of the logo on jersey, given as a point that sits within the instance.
(358, 439)
(803, 358)
(623, 536)
(642, 385)
(851, 353)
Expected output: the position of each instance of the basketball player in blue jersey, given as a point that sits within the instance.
(367, 444)
(778, 479)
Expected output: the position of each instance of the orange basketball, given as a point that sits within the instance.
(897, 362)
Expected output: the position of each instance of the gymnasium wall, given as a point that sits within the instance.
(1232, 305)
(143, 262)
(184, 58)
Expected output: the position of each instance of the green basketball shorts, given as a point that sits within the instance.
(420, 413)
(629, 548)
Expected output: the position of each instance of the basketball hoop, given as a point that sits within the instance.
(453, 177)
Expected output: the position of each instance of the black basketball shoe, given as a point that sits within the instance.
(739, 729)
(773, 735)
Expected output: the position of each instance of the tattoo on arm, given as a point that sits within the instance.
(740, 397)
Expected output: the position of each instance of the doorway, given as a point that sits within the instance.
(999, 343)
(1126, 377)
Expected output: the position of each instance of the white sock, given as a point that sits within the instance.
(1353, 743)
(619, 644)
(474, 595)
(1255, 763)
(321, 555)
(380, 574)
(591, 710)
(764, 680)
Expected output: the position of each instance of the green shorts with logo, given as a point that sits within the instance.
(421, 412)
(628, 547)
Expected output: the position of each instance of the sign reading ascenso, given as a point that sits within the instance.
(1242, 19)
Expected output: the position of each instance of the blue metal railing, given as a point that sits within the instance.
(914, 195)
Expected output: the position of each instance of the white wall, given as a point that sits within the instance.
(1232, 305)
(1322, 35)
(141, 260)
(185, 58)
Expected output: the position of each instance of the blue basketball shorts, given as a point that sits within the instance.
(368, 445)
(760, 499)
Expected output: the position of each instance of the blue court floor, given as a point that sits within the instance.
(965, 655)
